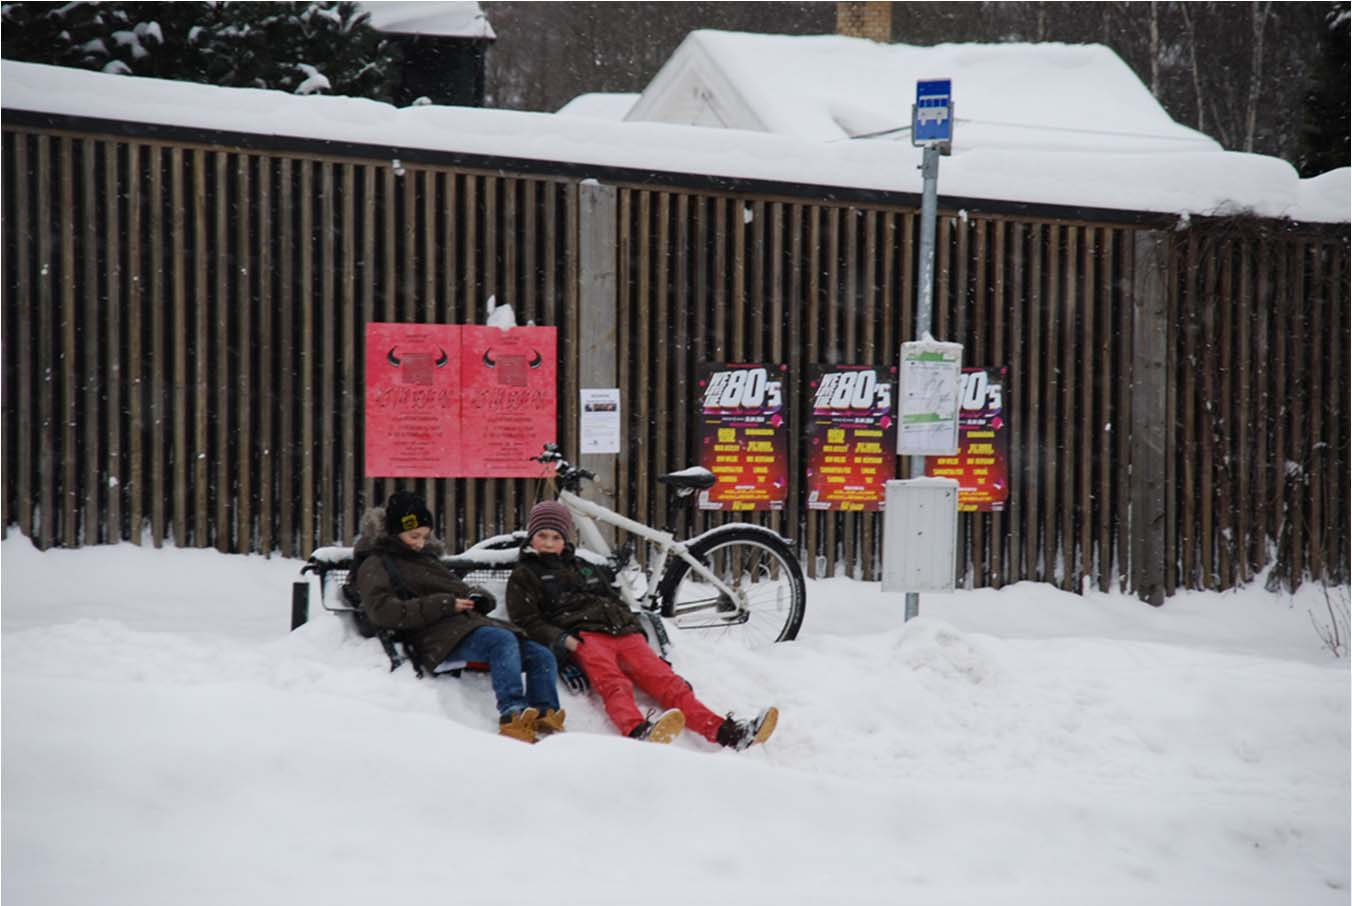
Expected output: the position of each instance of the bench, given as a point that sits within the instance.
(487, 565)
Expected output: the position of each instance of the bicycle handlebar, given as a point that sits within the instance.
(567, 474)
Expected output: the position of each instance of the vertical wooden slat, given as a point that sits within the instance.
(90, 439)
(221, 348)
(682, 305)
(812, 337)
(326, 323)
(1122, 421)
(469, 509)
(756, 307)
(265, 404)
(135, 392)
(1011, 297)
(832, 352)
(719, 313)
(1316, 442)
(1034, 451)
(508, 292)
(971, 307)
(998, 305)
(797, 369)
(244, 540)
(449, 251)
(489, 501)
(112, 376)
(23, 349)
(661, 324)
(643, 376)
(155, 362)
(628, 391)
(940, 317)
(738, 212)
(1174, 319)
(1074, 462)
(1088, 431)
(1224, 407)
(45, 420)
(287, 377)
(201, 398)
(1189, 453)
(1208, 362)
(870, 356)
(370, 176)
(906, 319)
(305, 383)
(1109, 424)
(850, 353)
(70, 493)
(1053, 570)
(1243, 452)
(1296, 306)
(180, 308)
(352, 381)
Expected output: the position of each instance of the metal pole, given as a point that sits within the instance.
(924, 293)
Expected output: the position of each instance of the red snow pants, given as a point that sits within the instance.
(616, 664)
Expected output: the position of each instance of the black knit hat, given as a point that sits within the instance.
(549, 514)
(406, 511)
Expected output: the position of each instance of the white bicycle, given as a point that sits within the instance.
(739, 581)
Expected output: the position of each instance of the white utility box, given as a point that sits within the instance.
(920, 535)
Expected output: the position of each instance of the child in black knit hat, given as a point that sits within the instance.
(568, 604)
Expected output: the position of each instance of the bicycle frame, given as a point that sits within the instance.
(587, 513)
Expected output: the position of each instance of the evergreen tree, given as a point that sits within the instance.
(307, 48)
(1324, 134)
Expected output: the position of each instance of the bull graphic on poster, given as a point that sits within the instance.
(512, 370)
(417, 367)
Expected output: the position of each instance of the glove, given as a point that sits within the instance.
(574, 679)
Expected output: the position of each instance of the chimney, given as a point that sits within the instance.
(865, 20)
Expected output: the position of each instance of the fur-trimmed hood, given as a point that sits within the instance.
(373, 530)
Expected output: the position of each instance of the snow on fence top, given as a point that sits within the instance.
(1204, 180)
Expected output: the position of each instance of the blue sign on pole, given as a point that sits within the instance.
(933, 122)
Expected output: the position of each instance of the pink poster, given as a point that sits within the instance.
(509, 399)
(412, 400)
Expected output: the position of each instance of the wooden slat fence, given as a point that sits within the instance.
(183, 327)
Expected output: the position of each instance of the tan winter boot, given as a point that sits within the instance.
(520, 725)
(667, 727)
(550, 722)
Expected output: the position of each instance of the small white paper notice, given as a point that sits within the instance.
(600, 426)
(931, 387)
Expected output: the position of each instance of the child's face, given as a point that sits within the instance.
(416, 538)
(547, 541)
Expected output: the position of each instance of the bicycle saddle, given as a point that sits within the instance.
(695, 478)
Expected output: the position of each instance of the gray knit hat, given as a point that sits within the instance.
(549, 514)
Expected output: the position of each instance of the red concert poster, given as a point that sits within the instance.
(852, 437)
(509, 399)
(981, 466)
(412, 400)
(743, 438)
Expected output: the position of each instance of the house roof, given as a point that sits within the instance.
(1044, 97)
(1203, 181)
(440, 19)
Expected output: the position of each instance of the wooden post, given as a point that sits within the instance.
(1149, 418)
(597, 311)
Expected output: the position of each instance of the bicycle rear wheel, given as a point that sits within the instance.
(759, 567)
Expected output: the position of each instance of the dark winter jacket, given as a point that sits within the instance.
(428, 618)
(553, 596)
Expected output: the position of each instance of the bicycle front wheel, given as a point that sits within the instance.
(768, 593)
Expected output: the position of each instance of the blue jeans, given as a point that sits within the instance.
(508, 657)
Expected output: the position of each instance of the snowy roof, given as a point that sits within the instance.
(1047, 97)
(1201, 180)
(447, 20)
(602, 105)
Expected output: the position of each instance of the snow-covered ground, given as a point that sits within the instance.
(167, 741)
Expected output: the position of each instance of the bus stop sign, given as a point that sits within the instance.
(932, 121)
